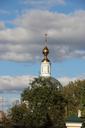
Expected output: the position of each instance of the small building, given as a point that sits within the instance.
(74, 122)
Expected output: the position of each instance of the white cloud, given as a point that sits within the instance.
(65, 36)
(65, 80)
(11, 87)
(16, 83)
(2, 25)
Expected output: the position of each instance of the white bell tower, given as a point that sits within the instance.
(45, 64)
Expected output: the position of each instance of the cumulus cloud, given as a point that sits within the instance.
(65, 80)
(2, 25)
(13, 86)
(17, 83)
(65, 36)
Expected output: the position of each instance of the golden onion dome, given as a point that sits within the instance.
(45, 51)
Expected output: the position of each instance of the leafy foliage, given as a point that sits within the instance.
(17, 113)
(46, 105)
(45, 102)
(75, 94)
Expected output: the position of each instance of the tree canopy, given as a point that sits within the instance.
(75, 94)
(45, 105)
(45, 102)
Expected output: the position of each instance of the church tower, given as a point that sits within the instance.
(45, 64)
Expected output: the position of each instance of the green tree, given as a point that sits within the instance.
(16, 114)
(75, 94)
(46, 103)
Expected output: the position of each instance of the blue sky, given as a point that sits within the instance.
(68, 68)
(23, 24)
